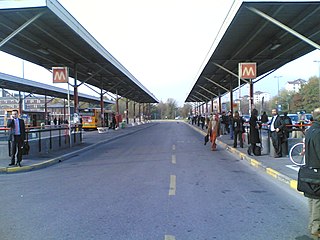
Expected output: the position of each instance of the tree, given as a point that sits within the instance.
(310, 95)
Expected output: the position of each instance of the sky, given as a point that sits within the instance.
(163, 43)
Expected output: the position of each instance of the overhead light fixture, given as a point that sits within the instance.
(274, 46)
(43, 51)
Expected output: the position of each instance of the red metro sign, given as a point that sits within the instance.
(248, 70)
(60, 74)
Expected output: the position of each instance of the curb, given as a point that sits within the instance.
(292, 183)
(59, 159)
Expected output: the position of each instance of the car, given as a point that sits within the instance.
(246, 117)
(294, 118)
(308, 117)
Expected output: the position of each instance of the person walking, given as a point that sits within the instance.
(277, 135)
(264, 118)
(213, 131)
(312, 159)
(254, 136)
(16, 137)
(237, 127)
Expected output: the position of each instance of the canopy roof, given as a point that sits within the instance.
(28, 86)
(246, 36)
(44, 33)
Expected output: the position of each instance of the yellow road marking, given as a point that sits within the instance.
(173, 159)
(272, 172)
(169, 237)
(172, 190)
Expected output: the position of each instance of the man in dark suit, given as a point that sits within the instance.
(16, 136)
(276, 130)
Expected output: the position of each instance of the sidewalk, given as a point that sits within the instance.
(279, 168)
(90, 139)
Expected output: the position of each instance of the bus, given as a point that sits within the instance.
(31, 118)
(91, 118)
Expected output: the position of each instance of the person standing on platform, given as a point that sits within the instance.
(286, 132)
(312, 158)
(254, 136)
(16, 137)
(237, 126)
(276, 131)
(230, 117)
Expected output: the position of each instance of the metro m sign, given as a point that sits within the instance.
(248, 70)
(60, 74)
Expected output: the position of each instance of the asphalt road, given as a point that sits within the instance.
(159, 183)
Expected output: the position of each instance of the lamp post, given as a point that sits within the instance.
(318, 61)
(277, 77)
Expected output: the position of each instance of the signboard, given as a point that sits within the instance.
(60, 74)
(247, 70)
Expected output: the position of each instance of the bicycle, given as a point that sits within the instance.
(296, 154)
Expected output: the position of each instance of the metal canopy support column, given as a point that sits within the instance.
(285, 27)
(139, 112)
(127, 110)
(231, 98)
(75, 91)
(134, 112)
(117, 103)
(102, 108)
(20, 104)
(212, 105)
(251, 102)
(220, 104)
(45, 107)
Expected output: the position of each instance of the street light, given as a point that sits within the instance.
(277, 77)
(278, 107)
(317, 61)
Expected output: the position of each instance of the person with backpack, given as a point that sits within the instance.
(254, 136)
(286, 132)
(237, 127)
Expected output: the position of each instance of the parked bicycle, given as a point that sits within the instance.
(296, 154)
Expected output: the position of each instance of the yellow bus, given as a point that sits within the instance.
(91, 118)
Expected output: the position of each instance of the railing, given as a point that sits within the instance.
(48, 132)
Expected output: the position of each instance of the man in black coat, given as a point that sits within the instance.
(16, 136)
(277, 135)
(312, 158)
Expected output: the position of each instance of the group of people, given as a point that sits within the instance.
(234, 124)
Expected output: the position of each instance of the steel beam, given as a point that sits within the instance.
(217, 84)
(285, 27)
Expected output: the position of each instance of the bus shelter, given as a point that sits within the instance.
(268, 33)
(45, 33)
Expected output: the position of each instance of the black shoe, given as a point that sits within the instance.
(11, 164)
(249, 152)
(19, 164)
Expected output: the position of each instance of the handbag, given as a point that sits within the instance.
(25, 148)
(206, 139)
(257, 150)
(309, 181)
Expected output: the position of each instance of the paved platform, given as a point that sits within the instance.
(90, 139)
(279, 168)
